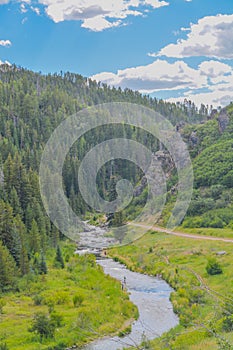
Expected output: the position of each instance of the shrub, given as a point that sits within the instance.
(124, 332)
(213, 267)
(227, 324)
(38, 299)
(2, 304)
(57, 298)
(45, 325)
(78, 300)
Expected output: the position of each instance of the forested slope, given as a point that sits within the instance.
(211, 148)
(31, 106)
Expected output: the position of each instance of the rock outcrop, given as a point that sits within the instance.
(223, 120)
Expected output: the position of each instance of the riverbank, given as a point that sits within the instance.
(199, 299)
(151, 296)
(90, 304)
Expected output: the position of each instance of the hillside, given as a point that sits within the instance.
(211, 148)
(32, 105)
(34, 255)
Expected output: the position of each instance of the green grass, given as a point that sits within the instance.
(105, 308)
(182, 263)
(215, 232)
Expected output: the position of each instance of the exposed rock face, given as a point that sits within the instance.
(166, 161)
(213, 114)
(194, 139)
(167, 164)
(223, 120)
(180, 126)
(139, 189)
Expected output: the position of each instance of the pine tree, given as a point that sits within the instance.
(59, 258)
(24, 261)
(34, 238)
(43, 270)
(14, 202)
(8, 270)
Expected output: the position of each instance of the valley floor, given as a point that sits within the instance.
(203, 302)
(89, 304)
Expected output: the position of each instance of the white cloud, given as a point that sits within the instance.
(6, 62)
(5, 43)
(36, 10)
(99, 23)
(98, 16)
(220, 89)
(210, 37)
(159, 75)
(215, 98)
(23, 8)
(24, 20)
(155, 3)
(214, 69)
(2, 2)
(213, 77)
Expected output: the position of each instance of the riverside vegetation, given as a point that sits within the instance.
(201, 274)
(42, 283)
(67, 306)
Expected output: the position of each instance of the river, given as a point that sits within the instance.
(150, 295)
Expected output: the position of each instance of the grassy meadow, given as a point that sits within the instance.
(89, 303)
(203, 302)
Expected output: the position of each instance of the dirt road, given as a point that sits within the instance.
(181, 234)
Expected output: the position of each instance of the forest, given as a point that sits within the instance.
(31, 107)
(32, 249)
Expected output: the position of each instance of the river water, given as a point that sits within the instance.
(150, 294)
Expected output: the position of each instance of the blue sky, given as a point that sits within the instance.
(171, 49)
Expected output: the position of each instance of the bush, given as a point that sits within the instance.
(45, 325)
(126, 331)
(57, 298)
(38, 300)
(78, 300)
(213, 267)
(227, 324)
(2, 304)
(4, 347)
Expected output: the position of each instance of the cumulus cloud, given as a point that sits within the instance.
(159, 75)
(213, 77)
(210, 37)
(220, 89)
(5, 43)
(98, 16)
(99, 23)
(214, 97)
(215, 69)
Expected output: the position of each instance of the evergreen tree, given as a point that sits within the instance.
(34, 238)
(59, 258)
(8, 271)
(42, 265)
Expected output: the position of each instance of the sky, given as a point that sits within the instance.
(170, 49)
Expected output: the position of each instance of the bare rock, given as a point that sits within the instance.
(223, 120)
